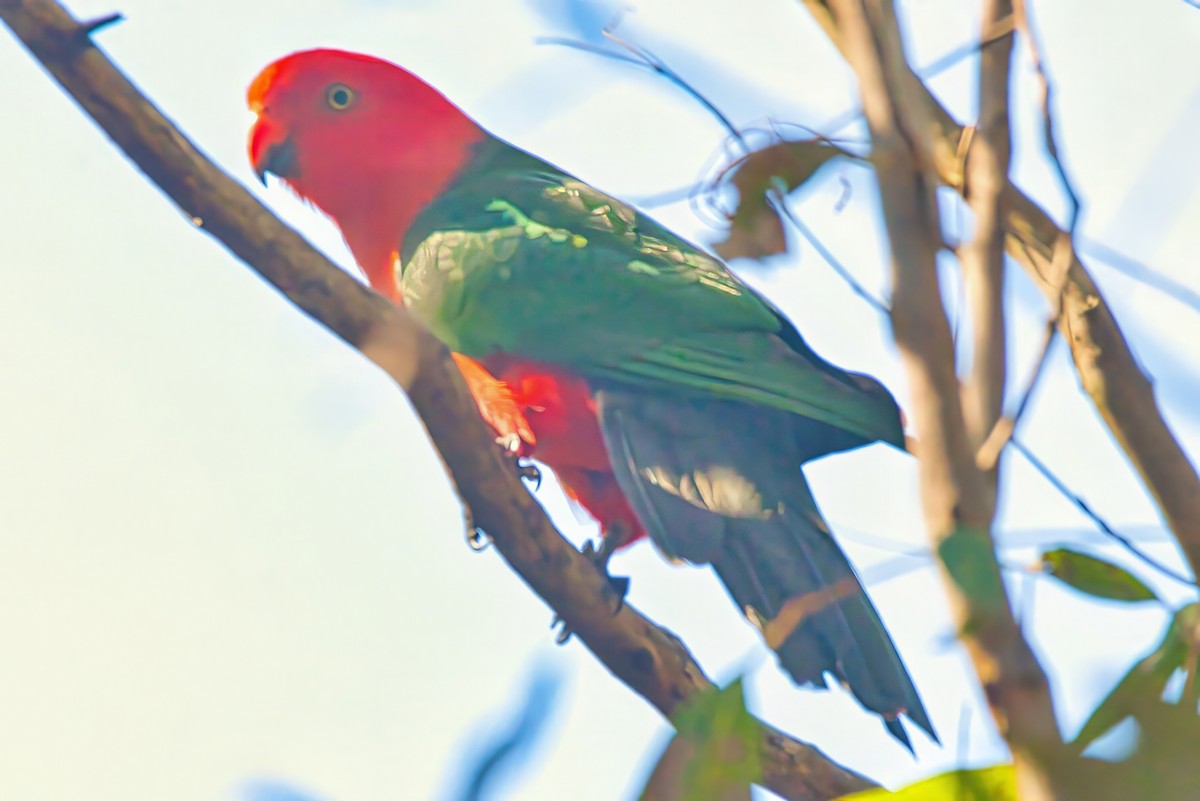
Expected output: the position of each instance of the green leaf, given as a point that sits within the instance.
(714, 753)
(981, 784)
(970, 559)
(1095, 577)
(755, 229)
(1145, 681)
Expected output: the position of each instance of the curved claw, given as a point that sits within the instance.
(561, 637)
(530, 472)
(478, 540)
(511, 446)
(620, 588)
(599, 558)
(618, 585)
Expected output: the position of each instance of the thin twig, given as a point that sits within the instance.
(1002, 432)
(996, 30)
(1005, 427)
(1084, 507)
(798, 608)
(875, 303)
(653, 62)
(1138, 271)
(640, 57)
(1064, 245)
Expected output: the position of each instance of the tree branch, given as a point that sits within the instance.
(989, 449)
(1110, 375)
(958, 507)
(982, 259)
(650, 660)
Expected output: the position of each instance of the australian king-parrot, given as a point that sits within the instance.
(669, 398)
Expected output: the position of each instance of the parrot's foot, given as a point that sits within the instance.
(599, 557)
(618, 586)
(530, 472)
(510, 447)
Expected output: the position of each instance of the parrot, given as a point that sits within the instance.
(671, 400)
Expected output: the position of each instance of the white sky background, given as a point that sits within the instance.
(226, 549)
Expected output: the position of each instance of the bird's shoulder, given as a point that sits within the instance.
(507, 195)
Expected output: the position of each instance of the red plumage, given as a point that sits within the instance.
(562, 415)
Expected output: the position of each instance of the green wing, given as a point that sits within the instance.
(520, 258)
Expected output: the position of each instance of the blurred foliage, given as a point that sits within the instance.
(969, 558)
(714, 753)
(1139, 693)
(1094, 576)
(983, 784)
(514, 742)
(1164, 766)
(273, 790)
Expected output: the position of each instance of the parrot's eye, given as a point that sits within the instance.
(339, 96)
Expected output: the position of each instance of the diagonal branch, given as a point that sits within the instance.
(649, 659)
(1108, 371)
(958, 506)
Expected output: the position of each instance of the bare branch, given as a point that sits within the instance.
(988, 455)
(957, 506)
(1110, 374)
(650, 660)
(1005, 429)
(1002, 428)
(986, 175)
(1048, 127)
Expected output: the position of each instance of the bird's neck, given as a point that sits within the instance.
(377, 212)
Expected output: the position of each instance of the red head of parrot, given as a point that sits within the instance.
(327, 125)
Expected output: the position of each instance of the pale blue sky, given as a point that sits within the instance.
(226, 549)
